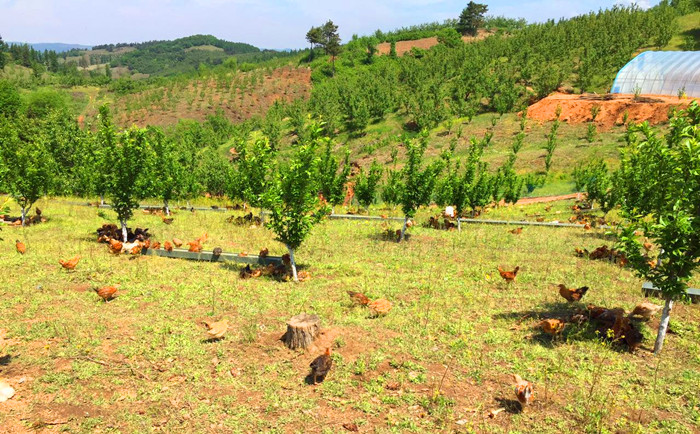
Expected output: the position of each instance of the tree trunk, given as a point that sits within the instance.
(262, 216)
(403, 229)
(663, 326)
(293, 262)
(124, 231)
(301, 331)
(459, 224)
(24, 215)
(167, 208)
(102, 200)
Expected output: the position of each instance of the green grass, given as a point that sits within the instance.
(140, 363)
(688, 29)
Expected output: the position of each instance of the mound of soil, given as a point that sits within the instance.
(576, 109)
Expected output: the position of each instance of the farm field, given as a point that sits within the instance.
(440, 360)
(239, 96)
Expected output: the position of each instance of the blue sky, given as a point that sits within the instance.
(264, 23)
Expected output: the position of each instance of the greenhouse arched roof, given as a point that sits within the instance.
(660, 73)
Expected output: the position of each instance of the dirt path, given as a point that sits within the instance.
(542, 199)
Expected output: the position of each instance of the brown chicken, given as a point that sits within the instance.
(136, 249)
(106, 292)
(303, 276)
(624, 331)
(177, 242)
(203, 239)
(359, 298)
(572, 294)
(167, 221)
(69, 264)
(195, 246)
(509, 276)
(21, 248)
(115, 246)
(523, 391)
(647, 246)
(581, 253)
(646, 310)
(321, 366)
(155, 245)
(264, 252)
(552, 326)
(595, 311)
(381, 306)
(168, 246)
(517, 231)
(216, 330)
(246, 272)
(217, 251)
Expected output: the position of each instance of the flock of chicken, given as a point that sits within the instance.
(614, 324)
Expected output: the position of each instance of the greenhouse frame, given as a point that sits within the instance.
(660, 73)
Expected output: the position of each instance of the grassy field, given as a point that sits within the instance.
(440, 360)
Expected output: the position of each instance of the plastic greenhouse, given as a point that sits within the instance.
(661, 73)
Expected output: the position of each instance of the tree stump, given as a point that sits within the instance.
(301, 331)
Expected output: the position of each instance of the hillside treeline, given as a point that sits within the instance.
(501, 73)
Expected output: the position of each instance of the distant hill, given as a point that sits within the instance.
(58, 47)
(170, 57)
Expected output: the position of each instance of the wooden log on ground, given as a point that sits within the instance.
(301, 331)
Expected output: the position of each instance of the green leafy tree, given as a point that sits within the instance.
(105, 142)
(551, 144)
(418, 182)
(166, 170)
(450, 38)
(314, 37)
(126, 180)
(472, 18)
(10, 100)
(292, 196)
(659, 186)
(331, 177)
(366, 184)
(254, 171)
(391, 191)
(26, 167)
(272, 125)
(327, 37)
(214, 175)
(331, 41)
(3, 47)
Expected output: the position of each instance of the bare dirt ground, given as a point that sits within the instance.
(403, 46)
(543, 199)
(576, 109)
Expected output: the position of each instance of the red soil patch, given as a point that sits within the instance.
(576, 109)
(543, 199)
(403, 46)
